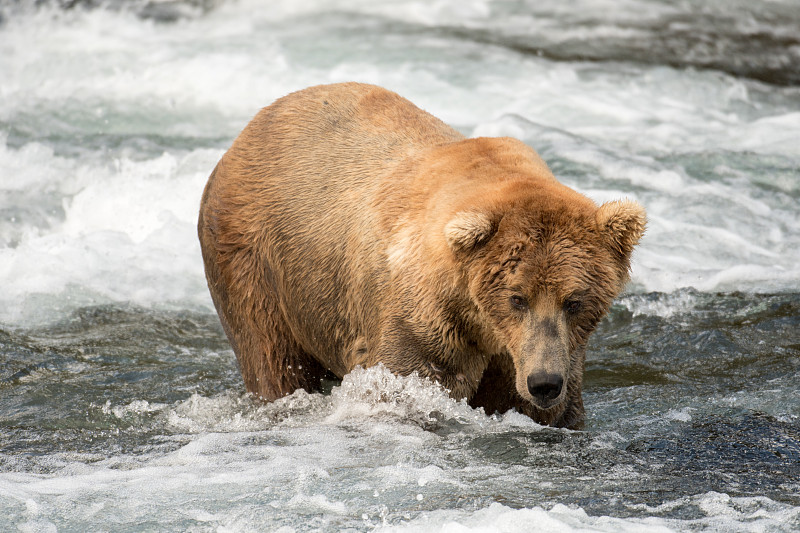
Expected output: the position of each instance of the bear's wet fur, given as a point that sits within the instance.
(346, 227)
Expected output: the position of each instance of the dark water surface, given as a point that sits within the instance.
(702, 399)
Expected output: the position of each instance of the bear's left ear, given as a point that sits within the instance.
(468, 229)
(623, 223)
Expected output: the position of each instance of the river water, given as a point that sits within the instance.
(121, 407)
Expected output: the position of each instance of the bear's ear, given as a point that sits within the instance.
(623, 223)
(469, 229)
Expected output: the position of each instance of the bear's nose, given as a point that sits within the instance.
(545, 387)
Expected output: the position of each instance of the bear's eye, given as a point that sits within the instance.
(519, 302)
(572, 306)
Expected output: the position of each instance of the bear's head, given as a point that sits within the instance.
(543, 264)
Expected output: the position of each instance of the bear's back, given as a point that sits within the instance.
(335, 139)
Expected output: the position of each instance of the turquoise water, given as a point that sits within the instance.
(121, 407)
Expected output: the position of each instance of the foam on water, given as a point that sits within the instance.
(275, 455)
(115, 222)
(725, 514)
(98, 232)
(371, 394)
(381, 452)
(498, 518)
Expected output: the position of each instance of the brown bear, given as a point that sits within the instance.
(346, 227)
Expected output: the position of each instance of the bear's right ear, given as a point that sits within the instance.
(623, 222)
(469, 229)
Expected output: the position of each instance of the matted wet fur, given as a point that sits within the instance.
(346, 227)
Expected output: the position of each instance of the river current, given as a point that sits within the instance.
(121, 406)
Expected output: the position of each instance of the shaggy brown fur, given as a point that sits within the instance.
(347, 227)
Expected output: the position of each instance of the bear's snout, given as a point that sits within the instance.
(545, 388)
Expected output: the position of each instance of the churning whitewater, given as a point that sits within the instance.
(121, 406)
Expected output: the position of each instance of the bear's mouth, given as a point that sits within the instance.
(548, 404)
